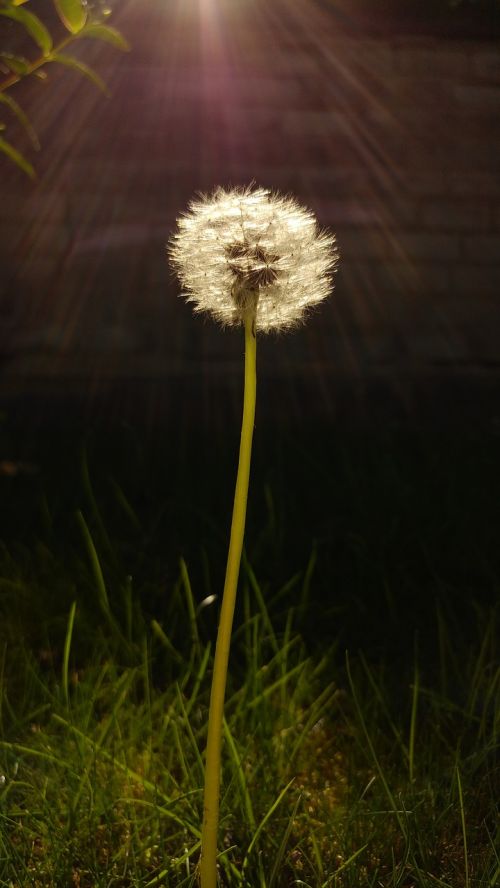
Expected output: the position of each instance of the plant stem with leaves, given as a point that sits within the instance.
(74, 16)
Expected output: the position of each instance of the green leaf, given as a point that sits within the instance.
(17, 158)
(21, 116)
(106, 33)
(33, 26)
(73, 14)
(14, 63)
(70, 62)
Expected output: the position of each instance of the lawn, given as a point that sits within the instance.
(361, 723)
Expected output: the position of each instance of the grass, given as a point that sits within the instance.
(375, 767)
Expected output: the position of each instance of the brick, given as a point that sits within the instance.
(421, 182)
(336, 179)
(10, 237)
(456, 215)
(485, 64)
(304, 64)
(483, 345)
(408, 90)
(347, 212)
(34, 205)
(482, 249)
(404, 277)
(429, 343)
(362, 243)
(473, 182)
(45, 337)
(398, 246)
(476, 280)
(252, 122)
(418, 246)
(314, 122)
(375, 58)
(364, 210)
(454, 152)
(482, 152)
(36, 271)
(251, 91)
(441, 127)
(394, 278)
(477, 99)
(461, 306)
(432, 58)
(285, 179)
(43, 242)
(119, 237)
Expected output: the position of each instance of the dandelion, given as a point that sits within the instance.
(253, 258)
(236, 247)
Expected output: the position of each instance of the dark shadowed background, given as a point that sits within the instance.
(384, 121)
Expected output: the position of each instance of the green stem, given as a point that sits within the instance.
(208, 864)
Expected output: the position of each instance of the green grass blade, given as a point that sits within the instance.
(124, 504)
(464, 829)
(165, 641)
(383, 705)
(371, 747)
(413, 725)
(240, 776)
(66, 652)
(193, 624)
(280, 854)
(269, 813)
(350, 860)
(102, 593)
(261, 603)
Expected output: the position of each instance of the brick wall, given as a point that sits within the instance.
(394, 141)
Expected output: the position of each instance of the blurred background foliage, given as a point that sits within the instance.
(35, 34)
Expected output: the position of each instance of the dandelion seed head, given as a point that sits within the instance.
(251, 247)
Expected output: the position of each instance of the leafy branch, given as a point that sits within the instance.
(77, 22)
